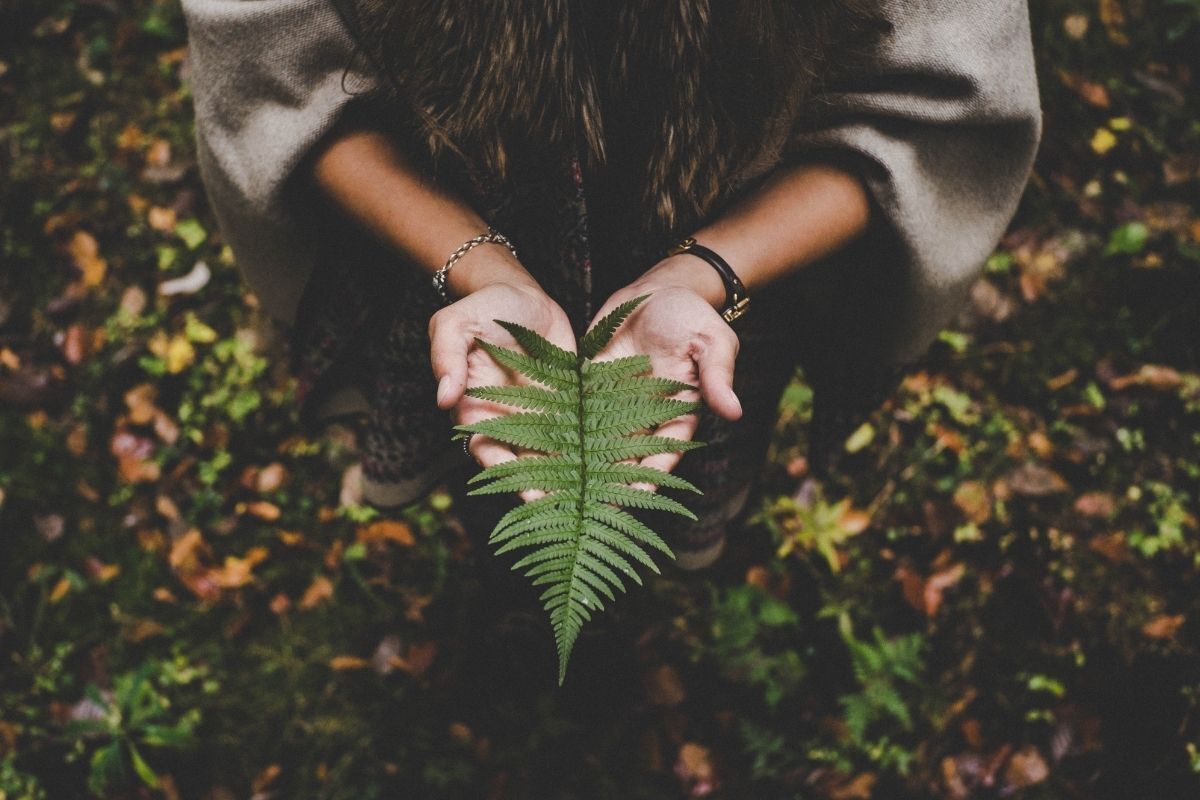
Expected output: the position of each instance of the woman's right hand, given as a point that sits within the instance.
(490, 292)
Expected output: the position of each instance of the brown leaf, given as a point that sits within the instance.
(1152, 376)
(972, 733)
(664, 687)
(280, 603)
(159, 153)
(387, 530)
(417, 659)
(345, 663)
(694, 769)
(1112, 546)
(973, 499)
(267, 512)
(1026, 768)
(187, 550)
(84, 251)
(265, 778)
(1164, 626)
(1092, 93)
(937, 584)
(1062, 379)
(133, 301)
(236, 572)
(320, 590)
(140, 402)
(1035, 480)
(857, 788)
(99, 571)
(76, 344)
(139, 630)
(1076, 25)
(270, 478)
(1096, 504)
(1113, 17)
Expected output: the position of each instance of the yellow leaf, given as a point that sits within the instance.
(1120, 123)
(1103, 140)
(180, 354)
(197, 331)
(85, 252)
(60, 590)
(861, 437)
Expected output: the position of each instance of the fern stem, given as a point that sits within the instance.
(565, 654)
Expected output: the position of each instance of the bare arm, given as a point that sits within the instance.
(368, 177)
(799, 215)
(362, 171)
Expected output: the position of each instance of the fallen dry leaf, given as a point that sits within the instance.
(1152, 376)
(1035, 480)
(1096, 504)
(973, 499)
(320, 590)
(346, 663)
(1164, 626)
(261, 509)
(664, 687)
(1026, 768)
(694, 769)
(84, 251)
(387, 530)
(857, 788)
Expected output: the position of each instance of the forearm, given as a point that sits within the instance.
(796, 217)
(367, 176)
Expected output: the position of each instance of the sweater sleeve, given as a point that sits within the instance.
(269, 78)
(942, 122)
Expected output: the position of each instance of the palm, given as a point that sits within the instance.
(678, 330)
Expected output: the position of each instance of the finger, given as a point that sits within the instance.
(488, 452)
(529, 495)
(682, 427)
(448, 352)
(715, 364)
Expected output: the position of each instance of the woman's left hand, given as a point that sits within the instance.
(685, 337)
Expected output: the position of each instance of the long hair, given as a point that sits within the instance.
(686, 95)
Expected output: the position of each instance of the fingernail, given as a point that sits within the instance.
(443, 389)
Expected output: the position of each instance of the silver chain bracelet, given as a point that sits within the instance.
(492, 236)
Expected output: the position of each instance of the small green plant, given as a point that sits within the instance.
(134, 716)
(882, 668)
(584, 420)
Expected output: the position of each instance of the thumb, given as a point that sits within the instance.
(448, 352)
(715, 364)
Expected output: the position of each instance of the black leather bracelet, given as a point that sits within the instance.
(736, 299)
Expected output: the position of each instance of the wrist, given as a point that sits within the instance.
(489, 263)
(686, 272)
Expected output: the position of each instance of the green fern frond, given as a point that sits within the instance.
(584, 419)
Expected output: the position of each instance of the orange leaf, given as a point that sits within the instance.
(1164, 626)
(345, 663)
(387, 530)
(320, 590)
(85, 253)
(267, 512)
(239, 571)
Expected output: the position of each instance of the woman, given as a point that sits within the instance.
(851, 163)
